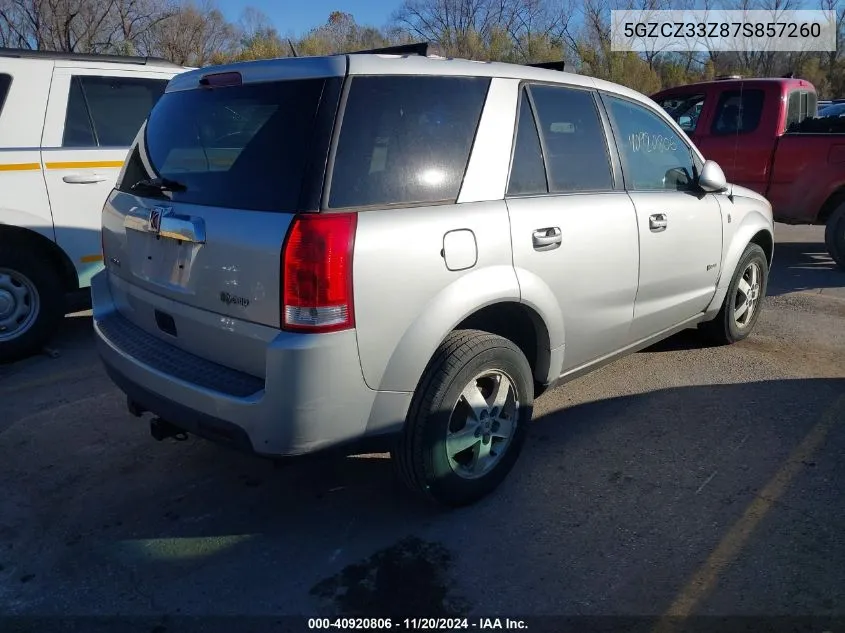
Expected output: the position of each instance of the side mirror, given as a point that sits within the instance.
(712, 178)
(678, 179)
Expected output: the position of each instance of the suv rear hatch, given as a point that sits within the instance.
(193, 234)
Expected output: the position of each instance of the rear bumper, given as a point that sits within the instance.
(312, 397)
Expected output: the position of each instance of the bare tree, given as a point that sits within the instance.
(193, 35)
(93, 26)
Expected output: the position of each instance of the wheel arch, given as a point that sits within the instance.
(59, 260)
(488, 299)
(520, 324)
(765, 240)
(830, 205)
(754, 228)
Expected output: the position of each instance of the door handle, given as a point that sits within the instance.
(83, 179)
(546, 239)
(658, 222)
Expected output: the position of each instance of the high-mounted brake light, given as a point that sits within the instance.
(317, 273)
(217, 80)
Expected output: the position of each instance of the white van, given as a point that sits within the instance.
(66, 124)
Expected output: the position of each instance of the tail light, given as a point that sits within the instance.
(317, 273)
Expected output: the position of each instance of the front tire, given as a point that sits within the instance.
(834, 236)
(744, 300)
(468, 419)
(31, 302)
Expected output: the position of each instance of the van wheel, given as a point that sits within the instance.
(468, 419)
(31, 303)
(744, 300)
(834, 236)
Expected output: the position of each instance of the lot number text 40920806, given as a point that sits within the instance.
(417, 624)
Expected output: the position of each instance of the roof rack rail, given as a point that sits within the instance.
(561, 65)
(423, 49)
(85, 57)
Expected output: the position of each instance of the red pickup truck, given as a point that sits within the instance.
(764, 135)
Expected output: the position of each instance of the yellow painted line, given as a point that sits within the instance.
(20, 167)
(183, 548)
(707, 576)
(88, 259)
(83, 164)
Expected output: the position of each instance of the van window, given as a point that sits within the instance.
(528, 173)
(405, 139)
(5, 82)
(240, 147)
(573, 139)
(738, 112)
(108, 111)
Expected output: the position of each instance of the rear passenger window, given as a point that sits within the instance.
(654, 156)
(405, 140)
(738, 112)
(5, 82)
(109, 111)
(528, 174)
(573, 139)
(79, 131)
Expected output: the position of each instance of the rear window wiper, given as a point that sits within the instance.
(159, 184)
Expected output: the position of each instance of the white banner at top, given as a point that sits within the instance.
(685, 31)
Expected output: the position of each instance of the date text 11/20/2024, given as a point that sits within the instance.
(417, 624)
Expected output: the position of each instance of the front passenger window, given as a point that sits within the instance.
(654, 156)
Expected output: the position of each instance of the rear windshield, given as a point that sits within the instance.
(243, 147)
(405, 139)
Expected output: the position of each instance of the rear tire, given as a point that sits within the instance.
(31, 302)
(834, 236)
(744, 300)
(454, 453)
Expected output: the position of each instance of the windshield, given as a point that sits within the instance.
(685, 109)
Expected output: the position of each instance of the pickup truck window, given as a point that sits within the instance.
(5, 82)
(528, 173)
(108, 111)
(738, 112)
(654, 156)
(685, 109)
(800, 105)
(573, 139)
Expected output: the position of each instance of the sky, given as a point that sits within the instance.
(290, 16)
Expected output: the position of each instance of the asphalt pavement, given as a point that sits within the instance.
(684, 480)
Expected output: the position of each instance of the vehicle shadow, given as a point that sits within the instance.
(613, 504)
(803, 266)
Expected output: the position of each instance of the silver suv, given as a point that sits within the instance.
(402, 251)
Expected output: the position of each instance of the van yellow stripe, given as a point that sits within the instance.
(89, 259)
(20, 167)
(83, 164)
